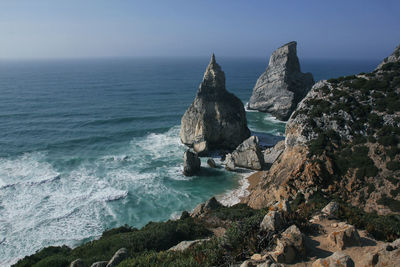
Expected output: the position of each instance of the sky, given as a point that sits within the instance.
(352, 29)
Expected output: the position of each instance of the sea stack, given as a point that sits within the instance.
(282, 86)
(216, 120)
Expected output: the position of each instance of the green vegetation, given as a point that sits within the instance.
(154, 236)
(393, 204)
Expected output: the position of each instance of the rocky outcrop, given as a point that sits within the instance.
(99, 264)
(290, 247)
(335, 260)
(336, 143)
(77, 263)
(272, 221)
(281, 87)
(191, 163)
(394, 57)
(216, 119)
(118, 257)
(347, 236)
(271, 154)
(202, 209)
(211, 163)
(247, 155)
(187, 244)
(331, 210)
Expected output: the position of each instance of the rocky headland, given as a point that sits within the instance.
(328, 195)
(282, 86)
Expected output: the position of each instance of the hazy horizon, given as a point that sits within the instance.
(45, 29)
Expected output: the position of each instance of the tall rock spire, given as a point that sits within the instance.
(214, 78)
(216, 119)
(282, 86)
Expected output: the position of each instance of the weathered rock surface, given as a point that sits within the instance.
(99, 264)
(77, 263)
(337, 259)
(187, 244)
(272, 221)
(281, 87)
(271, 154)
(211, 163)
(331, 210)
(347, 236)
(328, 123)
(216, 119)
(394, 57)
(247, 155)
(191, 163)
(118, 257)
(290, 247)
(203, 208)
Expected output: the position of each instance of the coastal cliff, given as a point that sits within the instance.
(281, 87)
(216, 119)
(343, 141)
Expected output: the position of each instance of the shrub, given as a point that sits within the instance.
(393, 165)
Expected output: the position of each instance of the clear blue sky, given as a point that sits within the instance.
(245, 28)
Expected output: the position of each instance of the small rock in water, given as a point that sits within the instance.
(191, 163)
(211, 163)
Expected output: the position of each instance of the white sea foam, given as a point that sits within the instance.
(234, 196)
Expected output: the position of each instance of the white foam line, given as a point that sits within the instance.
(234, 196)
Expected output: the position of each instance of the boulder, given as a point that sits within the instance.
(191, 163)
(282, 205)
(271, 154)
(202, 208)
(290, 246)
(272, 221)
(99, 264)
(347, 236)
(211, 163)
(118, 257)
(337, 259)
(248, 154)
(77, 263)
(216, 120)
(187, 244)
(282, 86)
(331, 210)
(229, 162)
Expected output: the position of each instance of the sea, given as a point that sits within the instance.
(91, 144)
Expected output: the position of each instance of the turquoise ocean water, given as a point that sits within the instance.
(86, 145)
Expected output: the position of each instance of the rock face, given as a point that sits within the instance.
(271, 154)
(247, 155)
(346, 237)
(203, 208)
(331, 210)
(187, 244)
(336, 117)
(191, 163)
(335, 260)
(216, 119)
(272, 221)
(118, 257)
(290, 246)
(281, 87)
(77, 263)
(394, 57)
